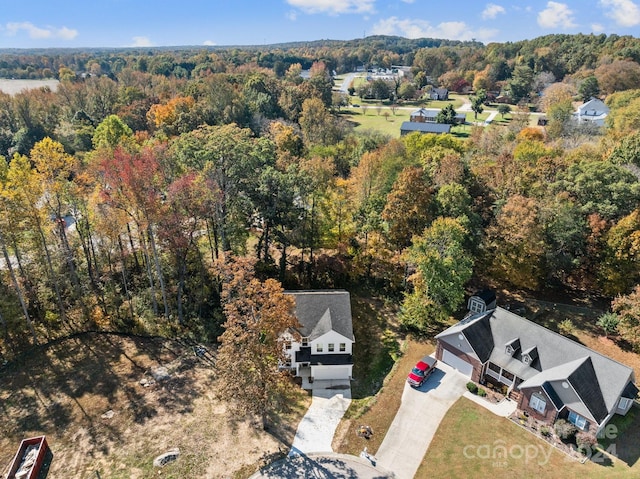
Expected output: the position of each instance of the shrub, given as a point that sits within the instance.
(481, 392)
(472, 387)
(566, 327)
(565, 430)
(585, 442)
(545, 431)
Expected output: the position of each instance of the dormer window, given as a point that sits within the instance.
(512, 346)
(530, 355)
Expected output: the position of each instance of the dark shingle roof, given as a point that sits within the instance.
(410, 126)
(478, 333)
(320, 312)
(597, 380)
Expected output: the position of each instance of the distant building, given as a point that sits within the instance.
(594, 111)
(441, 94)
(424, 127)
(429, 115)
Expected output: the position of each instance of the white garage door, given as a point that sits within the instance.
(330, 372)
(457, 363)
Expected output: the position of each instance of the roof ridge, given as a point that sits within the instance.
(566, 338)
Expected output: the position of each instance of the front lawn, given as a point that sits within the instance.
(473, 442)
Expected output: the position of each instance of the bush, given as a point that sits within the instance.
(585, 442)
(481, 392)
(472, 387)
(565, 430)
(545, 431)
(566, 327)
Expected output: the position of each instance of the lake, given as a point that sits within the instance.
(16, 86)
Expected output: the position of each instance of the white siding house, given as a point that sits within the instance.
(594, 111)
(324, 350)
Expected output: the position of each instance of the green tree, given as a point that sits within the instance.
(447, 115)
(504, 109)
(442, 263)
(317, 124)
(477, 105)
(589, 88)
(111, 132)
(521, 82)
(252, 347)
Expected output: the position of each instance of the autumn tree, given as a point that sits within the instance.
(407, 211)
(252, 346)
(628, 309)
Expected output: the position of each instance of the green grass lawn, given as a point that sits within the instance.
(468, 444)
(367, 118)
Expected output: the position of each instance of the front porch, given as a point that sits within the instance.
(501, 381)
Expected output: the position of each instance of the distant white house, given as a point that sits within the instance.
(594, 111)
(324, 349)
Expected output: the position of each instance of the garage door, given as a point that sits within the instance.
(330, 372)
(457, 363)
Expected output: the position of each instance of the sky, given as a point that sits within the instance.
(146, 23)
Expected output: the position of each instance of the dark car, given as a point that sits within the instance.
(421, 371)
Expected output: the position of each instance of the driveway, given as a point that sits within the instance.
(418, 419)
(318, 426)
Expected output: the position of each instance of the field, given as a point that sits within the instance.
(16, 86)
(67, 389)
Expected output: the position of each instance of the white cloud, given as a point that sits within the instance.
(625, 13)
(556, 15)
(209, 43)
(408, 1)
(597, 28)
(333, 7)
(141, 42)
(292, 15)
(38, 33)
(492, 10)
(415, 28)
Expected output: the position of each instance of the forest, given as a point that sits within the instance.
(126, 193)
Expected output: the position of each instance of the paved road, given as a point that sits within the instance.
(318, 426)
(418, 419)
(322, 466)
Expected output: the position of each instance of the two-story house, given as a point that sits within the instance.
(324, 348)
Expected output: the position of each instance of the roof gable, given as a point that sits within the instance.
(320, 312)
(598, 380)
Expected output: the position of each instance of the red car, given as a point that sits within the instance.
(421, 371)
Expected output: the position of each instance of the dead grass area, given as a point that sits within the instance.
(473, 442)
(378, 411)
(63, 390)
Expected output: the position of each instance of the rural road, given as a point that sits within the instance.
(417, 420)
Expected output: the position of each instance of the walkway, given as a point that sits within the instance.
(318, 426)
(417, 420)
(504, 408)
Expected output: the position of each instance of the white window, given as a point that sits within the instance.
(305, 342)
(538, 404)
(343, 347)
(476, 306)
(624, 403)
(318, 348)
(578, 420)
(330, 347)
(287, 344)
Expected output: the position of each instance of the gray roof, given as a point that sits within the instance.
(409, 126)
(597, 380)
(320, 312)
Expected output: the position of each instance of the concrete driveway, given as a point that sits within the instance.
(418, 419)
(318, 426)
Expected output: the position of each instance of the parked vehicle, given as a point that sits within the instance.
(421, 371)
